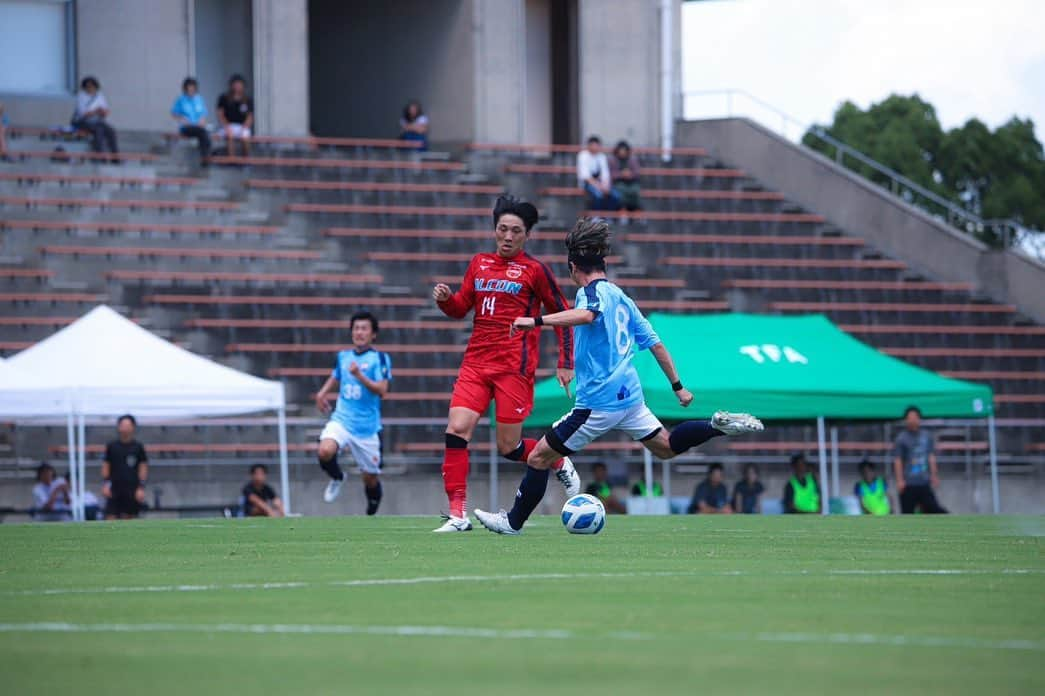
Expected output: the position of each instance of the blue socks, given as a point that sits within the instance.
(690, 434)
(531, 491)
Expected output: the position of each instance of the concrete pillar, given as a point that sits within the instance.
(281, 85)
(500, 70)
(140, 52)
(620, 67)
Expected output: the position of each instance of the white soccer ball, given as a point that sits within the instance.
(583, 514)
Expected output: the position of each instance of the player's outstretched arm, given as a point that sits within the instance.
(667, 365)
(571, 317)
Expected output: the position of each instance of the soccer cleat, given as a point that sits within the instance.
(454, 524)
(333, 490)
(568, 477)
(736, 423)
(496, 522)
(371, 506)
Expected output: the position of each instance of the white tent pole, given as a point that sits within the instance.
(494, 464)
(74, 486)
(820, 438)
(992, 443)
(284, 466)
(834, 461)
(647, 462)
(82, 455)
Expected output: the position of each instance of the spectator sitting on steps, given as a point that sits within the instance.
(802, 491)
(711, 496)
(92, 110)
(600, 488)
(50, 496)
(190, 111)
(236, 115)
(624, 172)
(259, 498)
(747, 493)
(593, 176)
(413, 125)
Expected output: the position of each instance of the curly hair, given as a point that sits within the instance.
(588, 244)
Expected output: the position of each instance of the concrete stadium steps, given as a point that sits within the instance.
(437, 194)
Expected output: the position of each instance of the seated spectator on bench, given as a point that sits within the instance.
(747, 494)
(92, 110)
(3, 133)
(624, 173)
(802, 491)
(872, 491)
(711, 496)
(236, 115)
(413, 125)
(190, 111)
(50, 496)
(600, 488)
(259, 498)
(593, 176)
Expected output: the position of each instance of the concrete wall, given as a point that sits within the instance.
(369, 58)
(538, 72)
(224, 44)
(281, 72)
(500, 53)
(863, 209)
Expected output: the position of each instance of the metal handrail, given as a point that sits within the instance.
(1011, 232)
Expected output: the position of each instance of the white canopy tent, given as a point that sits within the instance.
(103, 365)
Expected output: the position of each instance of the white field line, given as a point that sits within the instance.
(445, 579)
(857, 639)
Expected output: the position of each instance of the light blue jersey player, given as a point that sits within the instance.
(361, 377)
(609, 328)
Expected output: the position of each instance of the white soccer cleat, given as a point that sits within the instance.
(454, 524)
(496, 522)
(736, 423)
(569, 478)
(333, 490)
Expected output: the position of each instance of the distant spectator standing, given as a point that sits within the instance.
(236, 115)
(871, 491)
(914, 465)
(124, 472)
(747, 493)
(190, 111)
(92, 110)
(259, 498)
(413, 124)
(600, 488)
(802, 491)
(624, 173)
(711, 496)
(50, 496)
(593, 176)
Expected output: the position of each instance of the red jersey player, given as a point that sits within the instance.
(500, 286)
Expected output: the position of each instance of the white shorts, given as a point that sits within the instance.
(365, 450)
(238, 130)
(574, 431)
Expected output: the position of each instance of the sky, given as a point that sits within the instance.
(968, 58)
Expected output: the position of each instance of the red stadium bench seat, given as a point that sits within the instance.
(168, 448)
(98, 179)
(448, 256)
(361, 209)
(676, 194)
(31, 273)
(741, 262)
(953, 329)
(246, 277)
(899, 285)
(951, 352)
(695, 172)
(373, 186)
(922, 307)
(332, 348)
(377, 233)
(51, 297)
(701, 216)
(409, 325)
(1000, 375)
(36, 321)
(852, 446)
(291, 300)
(313, 141)
(625, 282)
(168, 227)
(104, 204)
(324, 163)
(549, 148)
(102, 157)
(768, 239)
(179, 252)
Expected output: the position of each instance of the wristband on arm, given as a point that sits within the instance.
(538, 320)
(676, 386)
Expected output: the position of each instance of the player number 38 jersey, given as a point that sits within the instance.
(358, 409)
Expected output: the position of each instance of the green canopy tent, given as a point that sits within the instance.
(787, 368)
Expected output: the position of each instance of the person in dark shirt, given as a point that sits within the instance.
(711, 496)
(802, 491)
(236, 115)
(914, 465)
(600, 488)
(125, 469)
(259, 498)
(747, 494)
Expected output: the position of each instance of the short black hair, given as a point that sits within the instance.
(798, 457)
(622, 143)
(910, 408)
(751, 466)
(594, 139)
(510, 205)
(364, 316)
(127, 416)
(236, 77)
(189, 82)
(90, 80)
(714, 466)
(255, 467)
(598, 465)
(866, 464)
(44, 466)
(406, 110)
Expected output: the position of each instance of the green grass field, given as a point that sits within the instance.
(650, 606)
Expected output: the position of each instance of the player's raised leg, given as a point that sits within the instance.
(329, 446)
(667, 445)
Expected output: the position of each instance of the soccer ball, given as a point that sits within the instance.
(583, 514)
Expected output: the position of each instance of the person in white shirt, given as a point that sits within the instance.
(92, 108)
(50, 496)
(593, 176)
(413, 125)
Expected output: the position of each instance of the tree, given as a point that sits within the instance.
(995, 175)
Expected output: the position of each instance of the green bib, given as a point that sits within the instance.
(807, 499)
(640, 488)
(873, 497)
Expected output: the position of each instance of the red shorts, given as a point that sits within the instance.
(512, 393)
